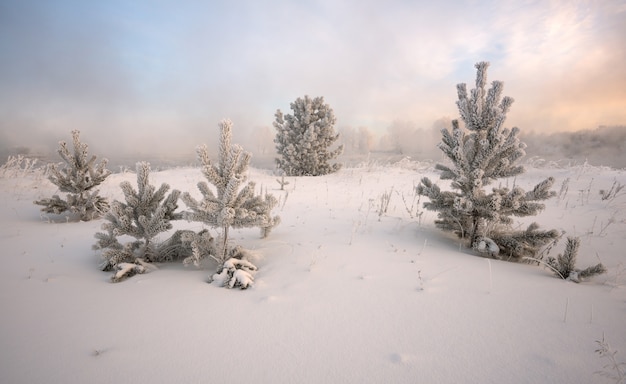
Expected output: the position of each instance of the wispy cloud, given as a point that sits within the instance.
(171, 70)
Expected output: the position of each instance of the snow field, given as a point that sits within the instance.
(343, 293)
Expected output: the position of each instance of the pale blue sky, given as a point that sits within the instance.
(175, 68)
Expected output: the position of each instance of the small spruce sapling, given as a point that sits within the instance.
(481, 153)
(78, 178)
(304, 138)
(146, 213)
(228, 205)
(282, 182)
(564, 266)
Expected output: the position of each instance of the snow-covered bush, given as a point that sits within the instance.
(237, 271)
(78, 178)
(481, 152)
(146, 213)
(304, 138)
(564, 266)
(228, 205)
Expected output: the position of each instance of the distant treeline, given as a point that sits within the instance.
(605, 145)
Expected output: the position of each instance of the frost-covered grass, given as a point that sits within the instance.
(345, 292)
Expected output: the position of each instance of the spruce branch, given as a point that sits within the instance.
(565, 263)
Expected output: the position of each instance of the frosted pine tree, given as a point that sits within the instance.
(78, 178)
(303, 140)
(228, 204)
(146, 213)
(480, 154)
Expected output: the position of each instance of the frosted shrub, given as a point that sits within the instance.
(19, 165)
(481, 152)
(613, 370)
(303, 140)
(78, 178)
(146, 213)
(228, 204)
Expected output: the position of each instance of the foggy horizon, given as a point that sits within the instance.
(154, 79)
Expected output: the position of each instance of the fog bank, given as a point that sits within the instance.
(604, 146)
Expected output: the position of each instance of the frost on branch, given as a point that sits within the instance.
(516, 245)
(304, 138)
(229, 202)
(200, 246)
(564, 266)
(481, 152)
(146, 213)
(78, 178)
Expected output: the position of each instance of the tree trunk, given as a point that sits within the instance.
(474, 234)
(224, 244)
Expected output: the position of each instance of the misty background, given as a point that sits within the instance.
(150, 80)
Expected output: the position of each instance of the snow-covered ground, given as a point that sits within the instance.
(343, 293)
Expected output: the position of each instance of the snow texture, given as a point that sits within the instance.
(340, 296)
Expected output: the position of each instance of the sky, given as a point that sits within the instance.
(144, 76)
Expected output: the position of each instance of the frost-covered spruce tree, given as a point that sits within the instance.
(229, 204)
(78, 178)
(481, 153)
(303, 140)
(146, 213)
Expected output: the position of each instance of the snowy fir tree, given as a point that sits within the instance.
(146, 213)
(480, 153)
(231, 204)
(303, 140)
(564, 266)
(78, 178)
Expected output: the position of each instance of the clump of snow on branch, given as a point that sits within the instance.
(126, 270)
(78, 178)
(237, 271)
